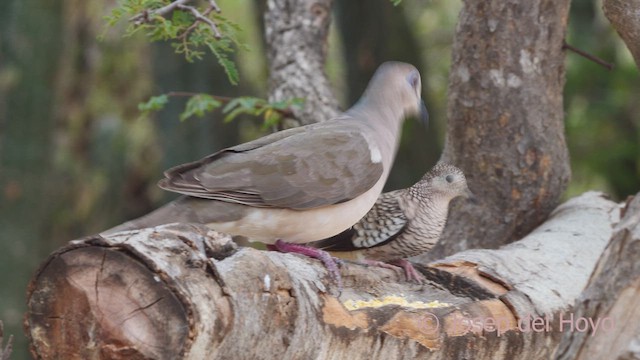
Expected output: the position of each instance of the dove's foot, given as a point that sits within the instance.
(410, 272)
(329, 261)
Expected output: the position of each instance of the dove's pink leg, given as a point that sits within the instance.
(409, 270)
(328, 260)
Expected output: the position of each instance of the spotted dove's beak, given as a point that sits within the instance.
(471, 197)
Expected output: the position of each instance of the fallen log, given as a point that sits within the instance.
(184, 291)
(613, 293)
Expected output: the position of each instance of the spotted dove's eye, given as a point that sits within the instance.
(449, 178)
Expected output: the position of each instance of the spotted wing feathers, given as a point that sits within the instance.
(383, 223)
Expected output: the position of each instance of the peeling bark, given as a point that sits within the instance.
(505, 120)
(624, 15)
(5, 353)
(296, 34)
(613, 292)
(197, 296)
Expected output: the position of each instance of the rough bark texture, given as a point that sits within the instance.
(5, 353)
(182, 290)
(613, 292)
(624, 15)
(505, 119)
(296, 35)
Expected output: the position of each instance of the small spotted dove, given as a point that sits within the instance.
(402, 223)
(302, 184)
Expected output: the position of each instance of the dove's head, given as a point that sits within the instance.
(397, 85)
(444, 181)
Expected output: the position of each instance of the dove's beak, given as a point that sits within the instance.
(424, 114)
(471, 197)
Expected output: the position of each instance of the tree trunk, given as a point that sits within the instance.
(197, 296)
(505, 120)
(624, 15)
(613, 292)
(5, 351)
(296, 34)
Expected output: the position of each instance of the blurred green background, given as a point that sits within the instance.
(77, 158)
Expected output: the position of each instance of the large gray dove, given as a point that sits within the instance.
(302, 184)
(402, 223)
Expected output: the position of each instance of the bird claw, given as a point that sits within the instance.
(410, 272)
(380, 264)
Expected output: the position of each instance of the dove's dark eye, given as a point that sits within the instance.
(449, 178)
(414, 79)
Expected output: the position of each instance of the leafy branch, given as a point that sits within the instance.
(146, 16)
(200, 104)
(191, 28)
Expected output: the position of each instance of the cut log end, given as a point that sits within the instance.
(89, 302)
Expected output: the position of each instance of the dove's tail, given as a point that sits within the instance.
(185, 209)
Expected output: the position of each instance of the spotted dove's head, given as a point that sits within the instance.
(445, 180)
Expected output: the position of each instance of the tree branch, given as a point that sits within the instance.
(200, 18)
(588, 56)
(147, 15)
(144, 17)
(214, 6)
(288, 112)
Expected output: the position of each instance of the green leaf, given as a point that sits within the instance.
(243, 105)
(182, 18)
(233, 114)
(199, 105)
(155, 103)
(271, 118)
(228, 65)
(297, 102)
